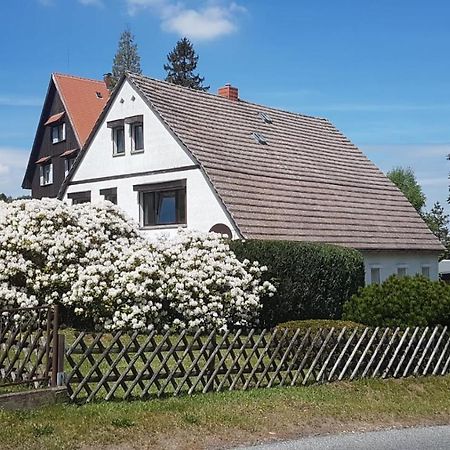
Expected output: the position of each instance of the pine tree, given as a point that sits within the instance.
(127, 58)
(182, 64)
(438, 223)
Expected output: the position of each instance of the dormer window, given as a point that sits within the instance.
(58, 133)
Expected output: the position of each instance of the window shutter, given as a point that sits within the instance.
(41, 175)
(63, 137)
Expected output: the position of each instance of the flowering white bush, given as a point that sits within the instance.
(206, 285)
(92, 259)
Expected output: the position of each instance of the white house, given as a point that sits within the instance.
(171, 156)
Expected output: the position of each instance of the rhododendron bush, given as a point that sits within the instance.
(92, 259)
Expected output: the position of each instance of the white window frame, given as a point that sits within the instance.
(375, 267)
(61, 136)
(46, 178)
(114, 139)
(68, 163)
(402, 267)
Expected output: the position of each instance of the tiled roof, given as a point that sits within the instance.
(84, 100)
(308, 183)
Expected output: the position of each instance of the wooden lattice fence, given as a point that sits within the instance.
(27, 346)
(122, 365)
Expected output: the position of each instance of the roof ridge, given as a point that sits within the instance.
(77, 77)
(176, 86)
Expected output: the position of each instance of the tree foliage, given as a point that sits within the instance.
(182, 63)
(438, 223)
(5, 198)
(401, 302)
(127, 58)
(405, 180)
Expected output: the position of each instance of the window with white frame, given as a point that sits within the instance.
(46, 174)
(58, 133)
(375, 275)
(426, 271)
(68, 163)
(137, 136)
(162, 203)
(402, 271)
(118, 134)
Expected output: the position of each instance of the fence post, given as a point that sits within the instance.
(61, 376)
(55, 346)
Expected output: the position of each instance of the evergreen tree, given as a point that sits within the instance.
(406, 181)
(438, 223)
(127, 58)
(5, 198)
(182, 62)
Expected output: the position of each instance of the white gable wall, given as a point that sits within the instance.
(161, 152)
(390, 262)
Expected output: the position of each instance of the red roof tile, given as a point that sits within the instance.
(84, 100)
(54, 118)
(43, 160)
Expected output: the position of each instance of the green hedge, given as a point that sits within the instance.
(313, 280)
(407, 301)
(317, 324)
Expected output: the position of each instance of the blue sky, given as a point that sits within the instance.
(380, 71)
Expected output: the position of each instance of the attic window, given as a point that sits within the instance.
(258, 137)
(265, 117)
(99, 94)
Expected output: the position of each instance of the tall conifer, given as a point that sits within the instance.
(182, 62)
(127, 57)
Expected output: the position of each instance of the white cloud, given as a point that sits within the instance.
(12, 169)
(8, 100)
(208, 22)
(98, 3)
(3, 169)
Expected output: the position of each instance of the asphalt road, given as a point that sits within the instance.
(425, 438)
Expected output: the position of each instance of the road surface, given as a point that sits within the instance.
(424, 438)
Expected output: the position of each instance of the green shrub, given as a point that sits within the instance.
(316, 324)
(407, 301)
(313, 280)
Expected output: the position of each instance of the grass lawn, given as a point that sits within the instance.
(232, 418)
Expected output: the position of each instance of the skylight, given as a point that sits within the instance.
(99, 94)
(258, 137)
(265, 117)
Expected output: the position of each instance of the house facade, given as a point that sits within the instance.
(71, 107)
(172, 157)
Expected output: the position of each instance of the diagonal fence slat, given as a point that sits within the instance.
(128, 365)
(27, 346)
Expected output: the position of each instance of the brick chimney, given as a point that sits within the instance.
(108, 79)
(229, 92)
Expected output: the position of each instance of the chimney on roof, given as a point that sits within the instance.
(229, 92)
(109, 81)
